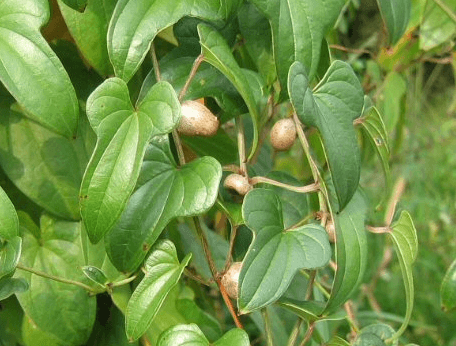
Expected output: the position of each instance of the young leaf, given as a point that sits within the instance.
(9, 224)
(310, 311)
(9, 286)
(55, 250)
(337, 341)
(351, 251)
(30, 69)
(10, 252)
(396, 14)
(275, 254)
(375, 335)
(448, 289)
(96, 275)
(217, 53)
(45, 166)
(403, 234)
(89, 29)
(123, 134)
(298, 29)
(135, 23)
(164, 192)
(162, 274)
(331, 107)
(190, 334)
(375, 129)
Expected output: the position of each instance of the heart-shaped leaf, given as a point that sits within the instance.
(164, 192)
(351, 251)
(276, 254)
(373, 125)
(89, 29)
(396, 14)
(135, 23)
(448, 289)
(298, 28)
(217, 53)
(30, 69)
(56, 250)
(331, 107)
(190, 334)
(9, 286)
(45, 166)
(163, 271)
(123, 134)
(375, 335)
(404, 237)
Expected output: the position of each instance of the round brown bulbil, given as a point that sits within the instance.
(283, 134)
(238, 183)
(197, 120)
(230, 280)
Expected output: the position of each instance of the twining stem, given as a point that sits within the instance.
(398, 190)
(196, 278)
(231, 248)
(378, 230)
(351, 317)
(192, 74)
(317, 285)
(213, 268)
(446, 9)
(179, 149)
(155, 63)
(267, 327)
(56, 278)
(302, 189)
(123, 282)
(241, 146)
(308, 335)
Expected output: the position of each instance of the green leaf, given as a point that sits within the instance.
(375, 335)
(190, 334)
(11, 316)
(34, 336)
(395, 14)
(164, 191)
(30, 69)
(9, 224)
(436, 25)
(372, 124)
(56, 250)
(89, 29)
(75, 4)
(135, 23)
(395, 88)
(123, 135)
(351, 252)
(276, 254)
(298, 29)
(217, 53)
(45, 166)
(331, 107)
(96, 275)
(256, 32)
(448, 289)
(10, 252)
(194, 314)
(9, 286)
(162, 274)
(404, 237)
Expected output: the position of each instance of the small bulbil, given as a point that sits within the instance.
(283, 134)
(238, 183)
(197, 120)
(230, 280)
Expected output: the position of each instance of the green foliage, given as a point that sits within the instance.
(137, 228)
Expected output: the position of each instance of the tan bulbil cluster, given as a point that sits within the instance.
(238, 183)
(230, 280)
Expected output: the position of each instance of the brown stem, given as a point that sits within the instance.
(398, 190)
(241, 146)
(378, 230)
(232, 168)
(192, 74)
(351, 317)
(155, 63)
(308, 335)
(196, 278)
(212, 267)
(309, 290)
(179, 149)
(351, 50)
